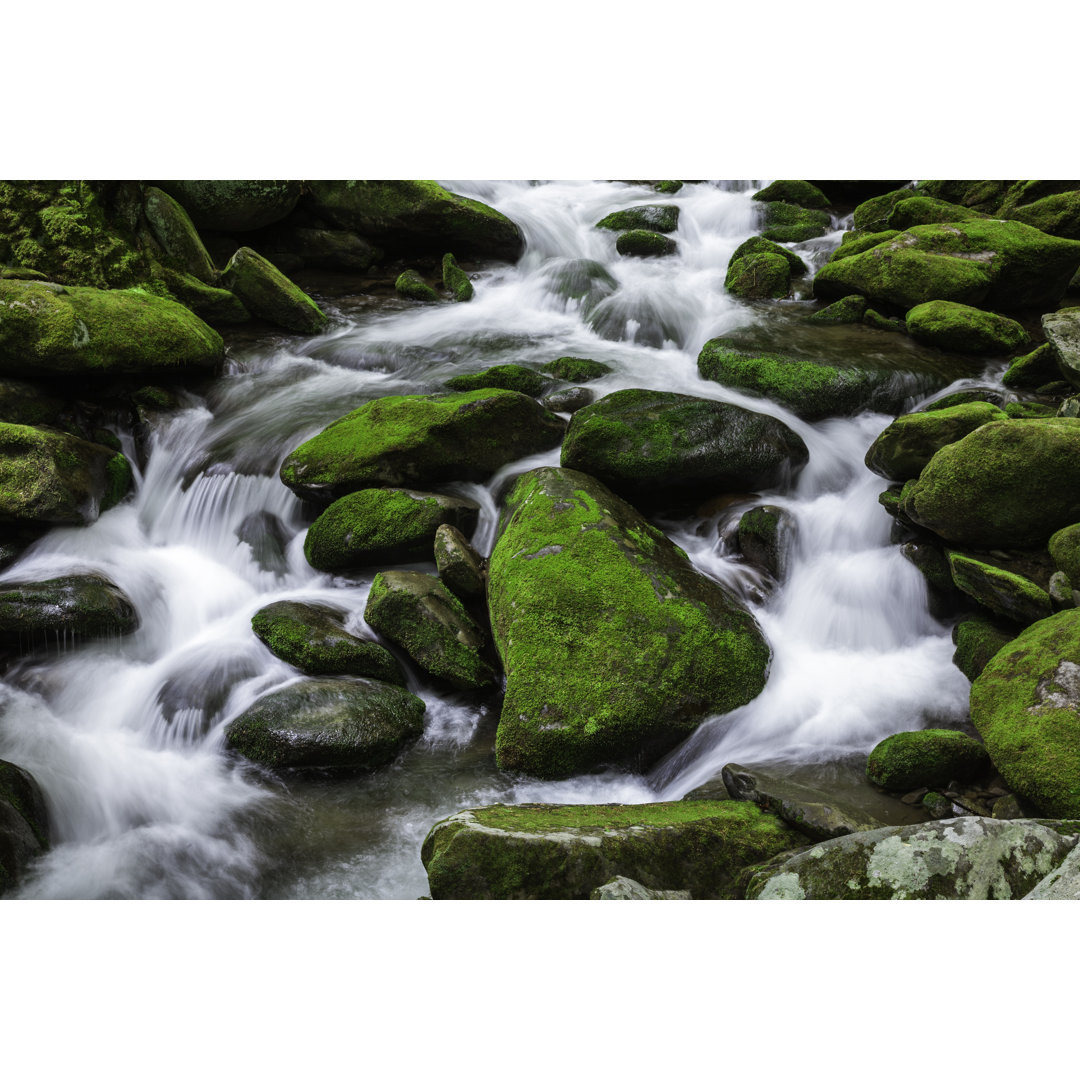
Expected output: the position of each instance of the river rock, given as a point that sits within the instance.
(328, 724)
(539, 852)
(406, 216)
(872, 215)
(927, 758)
(854, 243)
(849, 309)
(977, 641)
(1062, 883)
(576, 369)
(422, 616)
(651, 444)
(421, 439)
(1001, 592)
(906, 446)
(1026, 706)
(1062, 594)
(583, 280)
(72, 608)
(922, 210)
(787, 224)
(1009, 484)
(983, 195)
(177, 234)
(1033, 369)
(758, 277)
(968, 858)
(758, 245)
(1003, 265)
(767, 534)
(524, 380)
(963, 329)
(266, 535)
(624, 888)
(461, 568)
(643, 243)
(1062, 330)
(583, 691)
(268, 294)
(377, 526)
(24, 823)
(49, 330)
(233, 206)
(218, 307)
(798, 192)
(1057, 214)
(570, 400)
(413, 287)
(455, 280)
(313, 638)
(1064, 547)
(327, 249)
(660, 218)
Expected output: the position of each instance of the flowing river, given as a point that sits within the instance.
(125, 736)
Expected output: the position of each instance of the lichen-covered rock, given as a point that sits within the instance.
(758, 277)
(540, 852)
(73, 608)
(968, 858)
(268, 294)
(1010, 483)
(455, 280)
(921, 210)
(849, 309)
(569, 400)
(461, 568)
(927, 758)
(328, 724)
(1062, 330)
(575, 369)
(177, 235)
(767, 536)
(48, 329)
(234, 205)
(651, 444)
(799, 192)
(905, 447)
(377, 526)
(660, 218)
(624, 888)
(24, 823)
(872, 215)
(420, 614)
(1062, 883)
(1001, 592)
(643, 243)
(877, 321)
(313, 638)
(614, 647)
(787, 224)
(1033, 369)
(421, 439)
(962, 329)
(413, 287)
(524, 380)
(1026, 707)
(977, 641)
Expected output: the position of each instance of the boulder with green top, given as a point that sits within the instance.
(313, 638)
(963, 329)
(538, 852)
(1008, 595)
(1064, 548)
(406, 216)
(460, 566)
(268, 294)
(1009, 484)
(583, 280)
(854, 243)
(614, 647)
(767, 537)
(977, 641)
(1033, 369)
(24, 823)
(77, 607)
(575, 369)
(328, 249)
(455, 280)
(872, 215)
(218, 307)
(787, 224)
(927, 758)
(48, 329)
(1062, 330)
(421, 439)
(849, 309)
(525, 380)
(422, 616)
(233, 206)
(798, 192)
(413, 287)
(660, 218)
(905, 447)
(648, 444)
(758, 245)
(878, 321)
(377, 526)
(354, 724)
(921, 210)
(644, 244)
(759, 277)
(983, 195)
(1026, 707)
(177, 235)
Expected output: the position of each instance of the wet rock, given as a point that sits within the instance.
(1007, 808)
(644, 244)
(922, 210)
(575, 369)
(625, 689)
(455, 280)
(849, 309)
(758, 245)
(767, 535)
(328, 724)
(234, 205)
(460, 568)
(788, 224)
(972, 858)
(1062, 330)
(759, 277)
(1064, 547)
(268, 538)
(927, 758)
(568, 401)
(313, 638)
(938, 806)
(963, 329)
(977, 641)
(524, 380)
(983, 195)
(1062, 594)
(799, 192)
(218, 307)
(1008, 595)
(854, 243)
(177, 235)
(659, 218)
(872, 215)
(327, 249)
(877, 321)
(965, 397)
(584, 280)
(413, 287)
(24, 823)
(1032, 370)
(1057, 214)
(420, 615)
(650, 444)
(540, 852)
(268, 294)
(377, 526)
(72, 608)
(624, 888)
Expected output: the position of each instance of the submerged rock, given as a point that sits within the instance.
(24, 823)
(570, 400)
(963, 329)
(927, 758)
(71, 608)
(266, 535)
(268, 294)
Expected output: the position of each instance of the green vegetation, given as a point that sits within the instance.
(576, 370)
(1001, 592)
(455, 280)
(759, 277)
(524, 380)
(964, 329)
(268, 294)
(413, 287)
(660, 218)
(800, 192)
(928, 758)
(643, 244)
(977, 641)
(787, 224)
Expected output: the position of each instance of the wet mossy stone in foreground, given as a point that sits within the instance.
(963, 329)
(328, 724)
(1009, 484)
(455, 280)
(24, 823)
(1001, 592)
(539, 852)
(661, 218)
(614, 647)
(928, 758)
(524, 380)
(413, 287)
(798, 192)
(651, 444)
(576, 369)
(759, 277)
(313, 638)
(268, 294)
(850, 309)
(421, 439)
(233, 206)
(71, 608)
(644, 243)
(1026, 706)
(377, 526)
(977, 641)
(48, 329)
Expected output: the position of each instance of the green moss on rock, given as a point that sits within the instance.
(798, 192)
(759, 277)
(978, 641)
(461, 568)
(233, 206)
(854, 243)
(1033, 369)
(1005, 594)
(643, 244)
(850, 309)
(787, 224)
(413, 287)
(964, 329)
(659, 218)
(575, 369)
(758, 245)
(455, 280)
(72, 608)
(767, 535)
(177, 234)
(268, 294)
(928, 758)
(1064, 548)
(524, 380)
(872, 215)
(921, 210)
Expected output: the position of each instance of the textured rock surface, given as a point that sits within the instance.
(24, 823)
(927, 758)
(623, 888)
(72, 608)
(268, 294)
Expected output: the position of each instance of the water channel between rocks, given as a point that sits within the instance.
(126, 736)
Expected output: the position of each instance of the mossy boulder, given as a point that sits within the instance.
(413, 287)
(968, 858)
(48, 613)
(787, 224)
(1004, 265)
(538, 852)
(1026, 706)
(854, 243)
(1010, 483)
(575, 369)
(47, 477)
(1064, 548)
(313, 638)
(963, 329)
(983, 195)
(460, 566)
(327, 249)
(965, 397)
(177, 235)
(767, 536)
(759, 277)
(218, 307)
(644, 244)
(811, 390)
(524, 380)
(849, 309)
(1062, 330)
(798, 192)
(455, 280)
(1057, 214)
(922, 210)
(421, 439)
(928, 758)
(614, 647)
(1008, 595)
(1033, 369)
(268, 294)
(878, 321)
(422, 616)
(406, 216)
(905, 447)
(266, 535)
(872, 215)
(584, 280)
(758, 245)
(47, 329)
(648, 444)
(377, 526)
(24, 823)
(977, 641)
(233, 206)
(660, 218)
(328, 724)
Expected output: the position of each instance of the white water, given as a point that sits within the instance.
(125, 736)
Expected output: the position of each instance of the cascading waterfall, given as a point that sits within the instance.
(126, 736)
